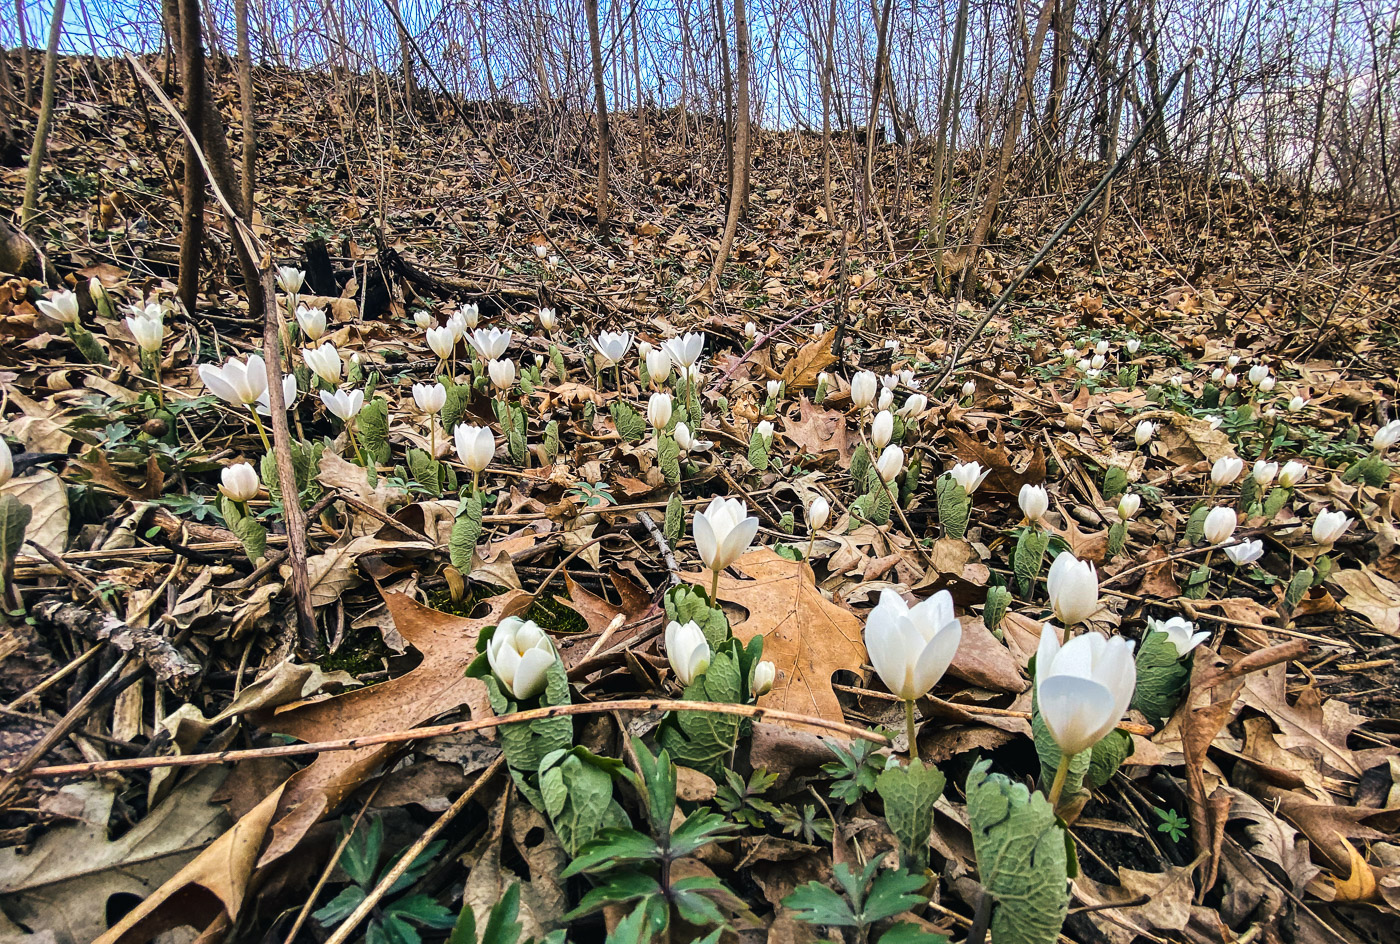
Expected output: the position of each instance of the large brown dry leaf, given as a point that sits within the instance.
(805, 635)
(1310, 726)
(1005, 476)
(818, 431)
(208, 892)
(1168, 906)
(985, 661)
(1370, 595)
(47, 498)
(63, 883)
(811, 359)
(437, 685)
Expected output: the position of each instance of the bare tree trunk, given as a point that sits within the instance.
(192, 219)
(741, 141)
(406, 54)
(595, 47)
(41, 130)
(24, 62)
(249, 105)
(877, 86)
(947, 137)
(1052, 143)
(1008, 148)
(727, 84)
(828, 66)
(645, 158)
(485, 55)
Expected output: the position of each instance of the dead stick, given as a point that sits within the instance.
(410, 855)
(671, 566)
(756, 712)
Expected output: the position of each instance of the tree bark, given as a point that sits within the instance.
(739, 190)
(249, 104)
(192, 218)
(828, 66)
(41, 130)
(595, 48)
(1008, 148)
(877, 87)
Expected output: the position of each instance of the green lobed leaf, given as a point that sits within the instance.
(860, 465)
(578, 795)
(15, 516)
(1249, 493)
(1117, 535)
(1196, 525)
(701, 739)
(556, 358)
(909, 484)
(253, 537)
(551, 440)
(1161, 678)
(1049, 753)
(758, 452)
(685, 603)
(675, 520)
(1021, 856)
(466, 532)
(1197, 583)
(952, 507)
(1030, 558)
(668, 458)
(877, 502)
(372, 425)
(458, 396)
(1106, 757)
(1115, 482)
(994, 610)
(1277, 499)
(909, 793)
(630, 425)
(426, 470)
(1298, 588)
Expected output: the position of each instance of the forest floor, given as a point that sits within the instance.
(1262, 804)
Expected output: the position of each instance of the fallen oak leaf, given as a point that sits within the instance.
(806, 636)
(437, 685)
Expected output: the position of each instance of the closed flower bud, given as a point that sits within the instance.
(148, 332)
(1231, 381)
(548, 319)
(1128, 505)
(890, 464)
(1034, 501)
(1220, 524)
(687, 651)
(659, 410)
(658, 366)
(1232, 361)
(1267, 384)
(239, 481)
(290, 279)
(422, 318)
(750, 330)
(61, 307)
(1073, 588)
(312, 321)
(863, 387)
(324, 362)
(1387, 436)
(1292, 473)
(1132, 345)
(1297, 404)
(764, 675)
(476, 446)
(1144, 432)
(1226, 471)
(817, 513)
(774, 387)
(1102, 347)
(1218, 374)
(1329, 526)
(915, 407)
(1264, 472)
(883, 401)
(470, 314)
(441, 341)
(723, 532)
(429, 398)
(881, 429)
(502, 373)
(1257, 373)
(969, 388)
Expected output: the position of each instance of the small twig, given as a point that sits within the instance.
(757, 712)
(69, 571)
(411, 854)
(665, 548)
(25, 769)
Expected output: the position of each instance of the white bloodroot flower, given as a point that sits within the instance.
(882, 429)
(344, 405)
(238, 382)
(1073, 588)
(429, 398)
(1245, 552)
(1181, 632)
(520, 655)
(324, 362)
(863, 387)
(970, 475)
(613, 345)
(1226, 471)
(239, 482)
(1220, 524)
(659, 409)
(61, 307)
(1034, 502)
(687, 651)
(1329, 526)
(476, 446)
(312, 321)
(890, 464)
(1083, 687)
(912, 646)
(489, 343)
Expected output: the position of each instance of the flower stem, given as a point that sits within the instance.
(476, 482)
(257, 421)
(811, 540)
(1061, 773)
(911, 730)
(714, 586)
